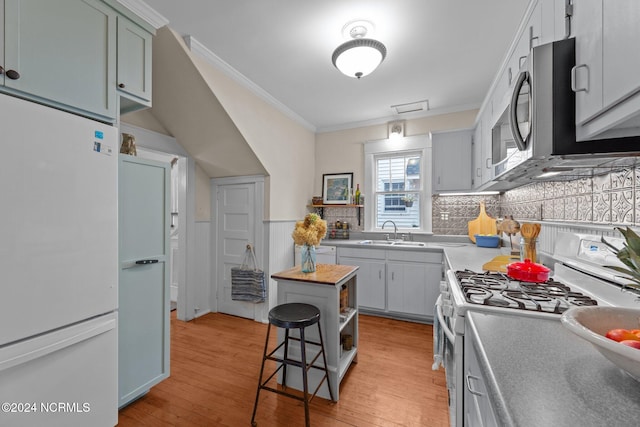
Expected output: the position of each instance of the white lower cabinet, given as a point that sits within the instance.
(413, 287)
(394, 282)
(478, 411)
(371, 281)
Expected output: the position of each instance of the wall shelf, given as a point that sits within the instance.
(320, 209)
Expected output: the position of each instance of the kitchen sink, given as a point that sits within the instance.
(393, 243)
(377, 242)
(410, 244)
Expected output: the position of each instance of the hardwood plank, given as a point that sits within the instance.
(215, 363)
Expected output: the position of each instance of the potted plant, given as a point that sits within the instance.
(629, 255)
(408, 200)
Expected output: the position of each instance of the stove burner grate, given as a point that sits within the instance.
(499, 290)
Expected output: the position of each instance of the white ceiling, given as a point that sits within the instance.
(442, 50)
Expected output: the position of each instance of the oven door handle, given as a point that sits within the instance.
(444, 325)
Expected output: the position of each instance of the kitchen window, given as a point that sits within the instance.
(397, 179)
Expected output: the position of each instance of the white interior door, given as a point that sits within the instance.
(143, 339)
(235, 224)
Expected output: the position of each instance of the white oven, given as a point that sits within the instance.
(578, 279)
(447, 342)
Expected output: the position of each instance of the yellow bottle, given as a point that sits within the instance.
(357, 201)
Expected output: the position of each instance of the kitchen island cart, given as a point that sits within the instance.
(323, 289)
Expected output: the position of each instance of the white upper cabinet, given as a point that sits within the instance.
(72, 54)
(543, 22)
(482, 169)
(63, 53)
(452, 153)
(605, 77)
(476, 156)
(134, 62)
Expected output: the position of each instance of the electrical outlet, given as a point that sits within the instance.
(444, 216)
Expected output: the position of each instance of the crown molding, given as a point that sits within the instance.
(145, 12)
(397, 117)
(202, 51)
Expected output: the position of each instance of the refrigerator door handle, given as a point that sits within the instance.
(133, 263)
(146, 261)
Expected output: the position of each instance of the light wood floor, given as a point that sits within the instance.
(215, 362)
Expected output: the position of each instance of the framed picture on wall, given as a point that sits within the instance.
(335, 188)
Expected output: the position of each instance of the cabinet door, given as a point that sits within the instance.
(487, 167)
(478, 410)
(413, 287)
(64, 52)
(587, 74)
(477, 155)
(452, 160)
(134, 60)
(2, 63)
(406, 290)
(371, 282)
(620, 27)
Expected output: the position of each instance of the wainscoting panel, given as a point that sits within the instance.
(281, 253)
(202, 271)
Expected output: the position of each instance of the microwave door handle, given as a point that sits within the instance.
(513, 122)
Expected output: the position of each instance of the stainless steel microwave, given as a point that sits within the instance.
(537, 133)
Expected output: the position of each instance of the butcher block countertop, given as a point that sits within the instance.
(325, 274)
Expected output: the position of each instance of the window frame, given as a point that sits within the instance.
(387, 147)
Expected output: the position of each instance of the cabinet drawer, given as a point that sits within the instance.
(416, 256)
(361, 253)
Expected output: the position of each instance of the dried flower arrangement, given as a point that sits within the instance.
(310, 231)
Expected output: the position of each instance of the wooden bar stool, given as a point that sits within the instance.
(293, 316)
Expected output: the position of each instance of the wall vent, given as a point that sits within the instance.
(411, 107)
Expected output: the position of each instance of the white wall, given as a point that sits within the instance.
(285, 148)
(342, 151)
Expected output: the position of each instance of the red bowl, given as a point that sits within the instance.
(528, 271)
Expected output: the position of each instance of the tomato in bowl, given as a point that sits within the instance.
(594, 322)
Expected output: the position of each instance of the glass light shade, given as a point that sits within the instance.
(359, 57)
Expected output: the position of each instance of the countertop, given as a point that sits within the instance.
(460, 252)
(325, 274)
(538, 373)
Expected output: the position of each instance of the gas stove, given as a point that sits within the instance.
(499, 290)
(579, 278)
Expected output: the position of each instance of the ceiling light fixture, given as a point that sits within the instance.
(396, 129)
(360, 56)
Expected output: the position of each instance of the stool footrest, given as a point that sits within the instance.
(293, 362)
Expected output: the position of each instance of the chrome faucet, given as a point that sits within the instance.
(395, 228)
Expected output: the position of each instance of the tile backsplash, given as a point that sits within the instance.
(609, 199)
(452, 213)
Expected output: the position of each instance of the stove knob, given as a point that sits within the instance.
(447, 310)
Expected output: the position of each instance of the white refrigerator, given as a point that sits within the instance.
(58, 268)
